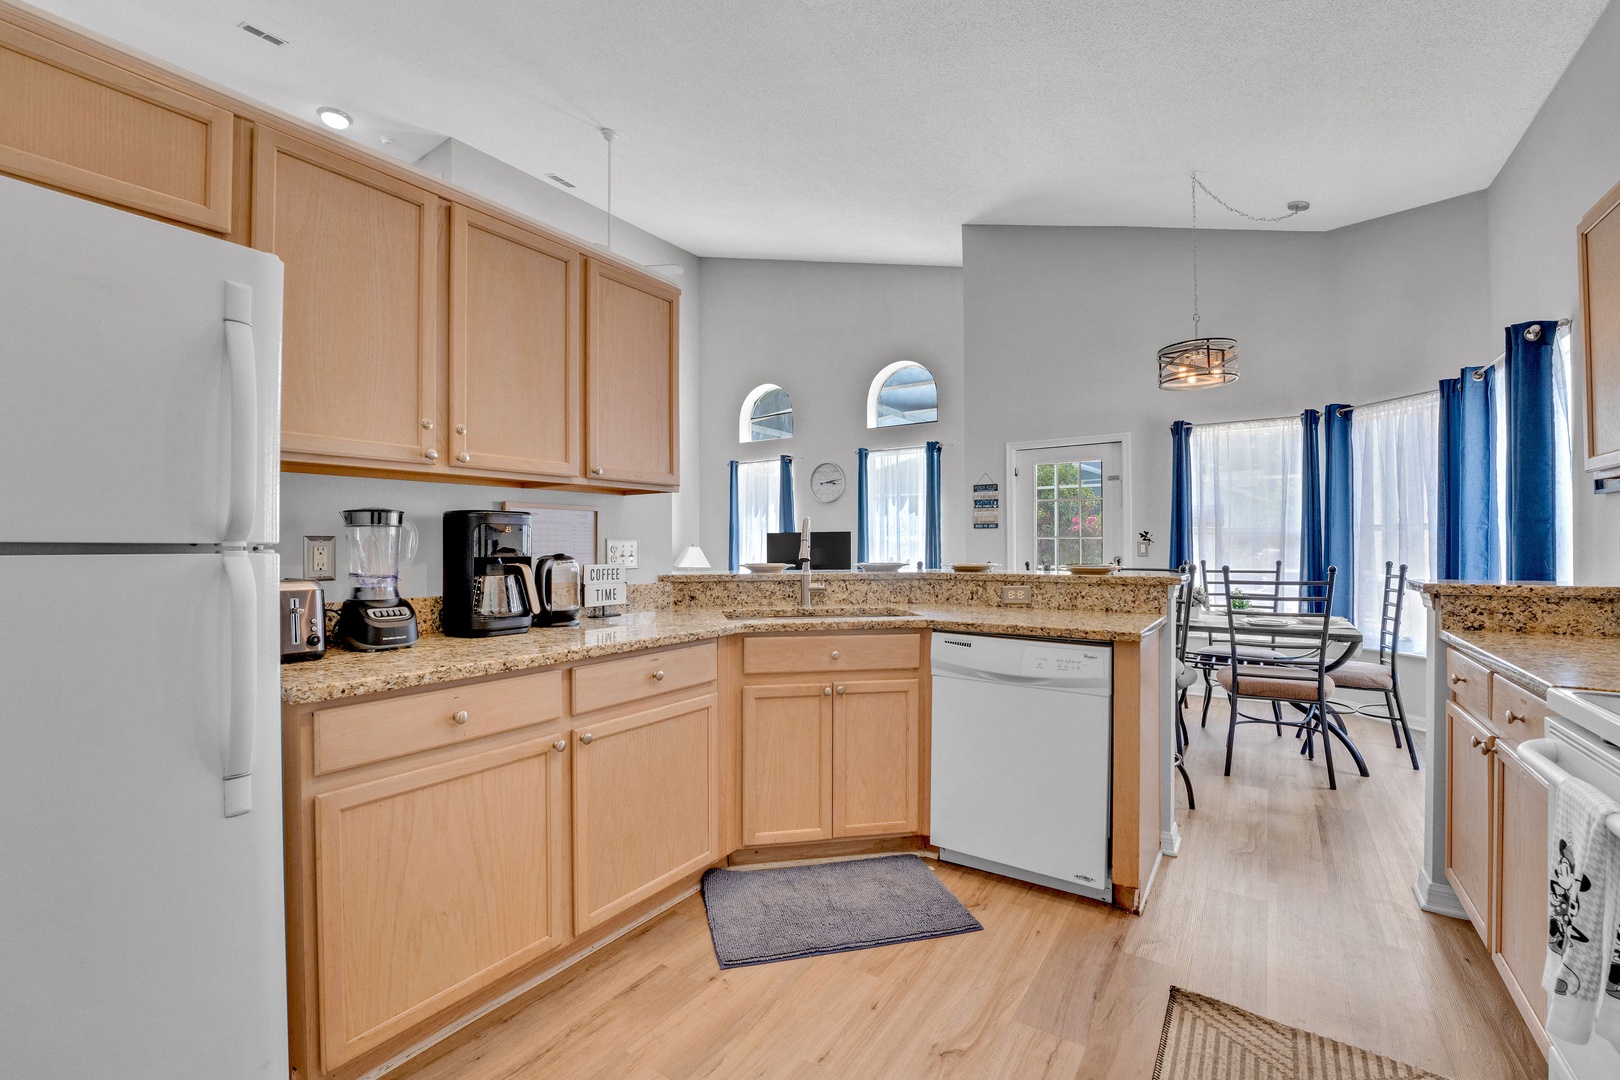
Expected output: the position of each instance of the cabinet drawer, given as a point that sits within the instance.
(1516, 713)
(614, 682)
(1470, 685)
(790, 653)
(350, 735)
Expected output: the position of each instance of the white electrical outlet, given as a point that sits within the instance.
(622, 553)
(320, 558)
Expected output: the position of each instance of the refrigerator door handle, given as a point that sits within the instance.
(244, 683)
(244, 411)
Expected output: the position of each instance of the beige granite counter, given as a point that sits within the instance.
(1540, 661)
(437, 659)
(1526, 607)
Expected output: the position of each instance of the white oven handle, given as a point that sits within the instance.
(1541, 757)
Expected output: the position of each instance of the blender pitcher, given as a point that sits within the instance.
(374, 618)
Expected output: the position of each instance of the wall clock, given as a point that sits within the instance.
(827, 482)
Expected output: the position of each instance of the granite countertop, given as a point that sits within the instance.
(1540, 661)
(437, 658)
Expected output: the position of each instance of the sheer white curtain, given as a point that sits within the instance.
(896, 504)
(1247, 489)
(759, 501)
(1395, 448)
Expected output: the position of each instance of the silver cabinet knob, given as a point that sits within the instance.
(826, 691)
(560, 745)
(586, 738)
(427, 423)
(658, 676)
(840, 689)
(1473, 740)
(835, 654)
(431, 455)
(461, 429)
(1515, 718)
(596, 471)
(460, 717)
(464, 457)
(1455, 679)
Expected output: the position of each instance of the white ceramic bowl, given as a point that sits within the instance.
(765, 567)
(882, 567)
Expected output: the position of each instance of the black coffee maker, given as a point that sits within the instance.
(488, 574)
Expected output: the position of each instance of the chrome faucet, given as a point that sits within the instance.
(805, 588)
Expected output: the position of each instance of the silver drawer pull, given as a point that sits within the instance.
(460, 717)
(826, 691)
(586, 738)
(560, 745)
(835, 654)
(658, 676)
(1515, 718)
(840, 689)
(1455, 679)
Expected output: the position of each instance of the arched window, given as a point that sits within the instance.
(767, 413)
(902, 393)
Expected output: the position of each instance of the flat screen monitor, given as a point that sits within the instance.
(828, 550)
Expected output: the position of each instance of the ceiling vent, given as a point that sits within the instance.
(554, 178)
(256, 32)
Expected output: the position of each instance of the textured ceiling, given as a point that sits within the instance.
(866, 130)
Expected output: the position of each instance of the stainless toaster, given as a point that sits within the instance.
(303, 620)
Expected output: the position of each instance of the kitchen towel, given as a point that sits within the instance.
(1583, 904)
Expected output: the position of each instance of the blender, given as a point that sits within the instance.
(375, 618)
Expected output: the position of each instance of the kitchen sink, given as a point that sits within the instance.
(1598, 711)
(877, 612)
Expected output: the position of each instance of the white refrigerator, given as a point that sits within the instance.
(142, 930)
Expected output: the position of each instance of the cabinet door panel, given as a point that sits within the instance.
(360, 336)
(1521, 860)
(1600, 323)
(514, 349)
(85, 126)
(787, 747)
(433, 884)
(1468, 818)
(875, 770)
(632, 372)
(646, 805)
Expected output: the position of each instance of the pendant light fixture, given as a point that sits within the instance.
(1205, 361)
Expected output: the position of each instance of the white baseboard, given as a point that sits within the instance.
(1438, 897)
(1170, 841)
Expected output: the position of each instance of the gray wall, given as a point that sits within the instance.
(822, 331)
(1063, 324)
(1567, 159)
(662, 523)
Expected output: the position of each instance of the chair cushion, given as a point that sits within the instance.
(1260, 680)
(1360, 675)
(1220, 654)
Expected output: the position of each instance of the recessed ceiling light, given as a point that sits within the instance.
(336, 119)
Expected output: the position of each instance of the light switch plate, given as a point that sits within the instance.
(622, 553)
(320, 558)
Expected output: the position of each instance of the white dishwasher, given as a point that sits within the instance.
(1022, 759)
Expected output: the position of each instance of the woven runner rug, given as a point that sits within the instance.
(1205, 1039)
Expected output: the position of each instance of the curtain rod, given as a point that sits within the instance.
(1479, 373)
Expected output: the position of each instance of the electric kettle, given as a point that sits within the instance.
(559, 581)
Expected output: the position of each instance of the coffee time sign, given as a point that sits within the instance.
(605, 585)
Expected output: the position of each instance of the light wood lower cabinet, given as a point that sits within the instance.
(1519, 943)
(433, 884)
(787, 775)
(875, 757)
(1468, 816)
(646, 804)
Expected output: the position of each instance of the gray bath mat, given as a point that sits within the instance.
(760, 916)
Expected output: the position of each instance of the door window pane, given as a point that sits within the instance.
(1069, 513)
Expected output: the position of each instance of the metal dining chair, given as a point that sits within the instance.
(1186, 676)
(1215, 654)
(1299, 679)
(1382, 677)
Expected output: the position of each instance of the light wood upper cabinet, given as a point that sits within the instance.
(646, 804)
(1599, 248)
(632, 377)
(1519, 946)
(514, 370)
(360, 340)
(787, 756)
(78, 123)
(875, 757)
(1468, 816)
(432, 884)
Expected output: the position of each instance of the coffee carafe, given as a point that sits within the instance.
(488, 577)
(374, 618)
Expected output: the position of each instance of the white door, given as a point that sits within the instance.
(128, 413)
(142, 931)
(1067, 507)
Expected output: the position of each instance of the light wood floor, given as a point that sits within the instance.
(1288, 899)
